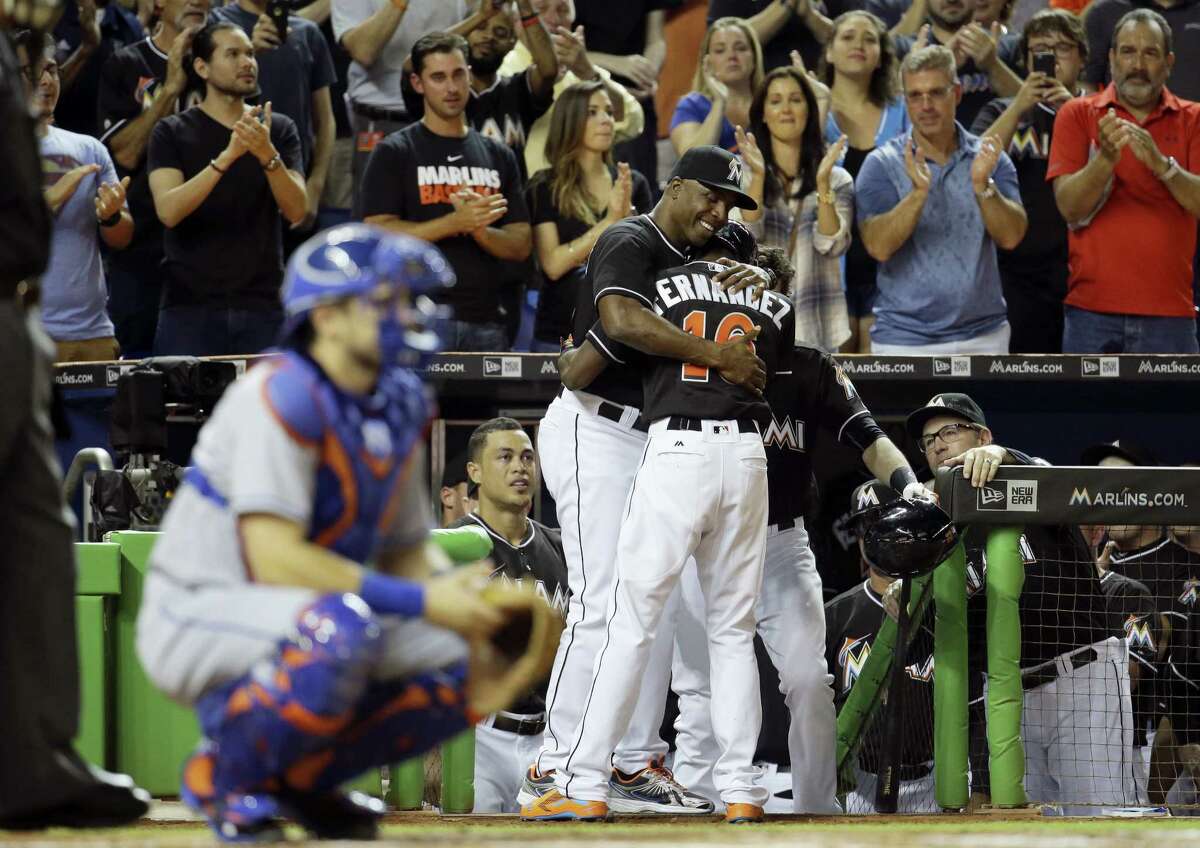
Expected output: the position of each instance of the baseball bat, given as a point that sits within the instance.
(887, 789)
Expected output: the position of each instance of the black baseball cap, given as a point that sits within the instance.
(1125, 449)
(716, 168)
(455, 471)
(871, 495)
(946, 403)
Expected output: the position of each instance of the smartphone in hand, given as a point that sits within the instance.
(1044, 62)
(277, 11)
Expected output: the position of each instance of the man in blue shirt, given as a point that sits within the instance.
(934, 204)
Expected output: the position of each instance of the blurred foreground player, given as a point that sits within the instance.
(43, 782)
(290, 599)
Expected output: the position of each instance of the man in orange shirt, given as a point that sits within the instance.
(1124, 164)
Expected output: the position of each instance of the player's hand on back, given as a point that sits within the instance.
(737, 362)
(739, 275)
(454, 601)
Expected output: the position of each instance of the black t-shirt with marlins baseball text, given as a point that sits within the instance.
(229, 251)
(413, 173)
(687, 297)
(626, 260)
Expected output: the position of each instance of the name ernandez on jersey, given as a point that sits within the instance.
(681, 288)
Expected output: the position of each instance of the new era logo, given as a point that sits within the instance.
(952, 366)
(1009, 496)
(1100, 366)
(990, 497)
(502, 366)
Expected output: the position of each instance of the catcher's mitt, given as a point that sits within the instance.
(519, 654)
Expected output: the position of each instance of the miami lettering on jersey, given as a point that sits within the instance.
(1029, 143)
(1188, 596)
(512, 134)
(921, 672)
(786, 434)
(558, 599)
(852, 659)
(679, 288)
(1138, 633)
(438, 182)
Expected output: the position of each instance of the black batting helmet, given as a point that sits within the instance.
(903, 538)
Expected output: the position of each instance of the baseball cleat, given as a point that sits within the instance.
(654, 789)
(238, 818)
(534, 786)
(554, 806)
(335, 815)
(743, 814)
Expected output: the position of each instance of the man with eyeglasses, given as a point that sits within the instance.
(1126, 169)
(1077, 716)
(1034, 273)
(934, 205)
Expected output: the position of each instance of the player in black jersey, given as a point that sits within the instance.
(1147, 554)
(502, 463)
(590, 444)
(1131, 612)
(852, 621)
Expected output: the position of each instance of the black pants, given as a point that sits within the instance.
(39, 672)
(1035, 306)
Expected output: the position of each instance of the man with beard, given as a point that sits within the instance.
(501, 107)
(139, 86)
(984, 59)
(1124, 164)
(444, 182)
(222, 174)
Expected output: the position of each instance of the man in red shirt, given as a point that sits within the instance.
(1124, 164)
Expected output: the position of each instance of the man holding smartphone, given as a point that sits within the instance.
(1034, 273)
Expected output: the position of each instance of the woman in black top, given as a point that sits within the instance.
(576, 199)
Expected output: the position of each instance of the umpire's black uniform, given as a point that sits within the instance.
(42, 780)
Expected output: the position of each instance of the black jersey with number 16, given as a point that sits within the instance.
(688, 298)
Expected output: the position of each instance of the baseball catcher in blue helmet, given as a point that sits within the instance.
(398, 276)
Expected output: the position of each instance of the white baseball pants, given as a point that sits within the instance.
(791, 621)
(501, 758)
(588, 463)
(1078, 734)
(702, 494)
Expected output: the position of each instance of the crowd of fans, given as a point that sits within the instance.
(941, 180)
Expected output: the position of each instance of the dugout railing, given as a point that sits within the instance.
(1019, 497)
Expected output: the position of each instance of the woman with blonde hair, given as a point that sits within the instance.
(806, 202)
(860, 68)
(577, 198)
(727, 75)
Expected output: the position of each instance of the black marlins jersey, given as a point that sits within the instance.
(687, 297)
(625, 261)
(1132, 615)
(538, 560)
(1168, 570)
(852, 620)
(816, 396)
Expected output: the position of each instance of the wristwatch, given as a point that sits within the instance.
(989, 190)
(1172, 169)
(273, 163)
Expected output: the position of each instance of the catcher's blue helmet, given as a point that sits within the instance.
(351, 261)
